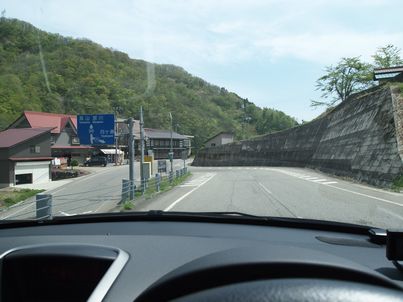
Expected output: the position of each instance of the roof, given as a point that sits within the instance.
(220, 133)
(29, 158)
(159, 133)
(111, 151)
(72, 147)
(12, 137)
(387, 73)
(46, 119)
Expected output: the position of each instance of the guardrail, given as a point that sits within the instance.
(46, 206)
(154, 184)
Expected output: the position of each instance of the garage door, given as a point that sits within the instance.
(38, 169)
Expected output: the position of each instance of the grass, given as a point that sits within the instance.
(128, 205)
(398, 184)
(9, 198)
(165, 186)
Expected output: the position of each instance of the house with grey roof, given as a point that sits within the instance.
(219, 139)
(25, 156)
(159, 142)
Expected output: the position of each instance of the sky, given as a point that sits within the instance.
(271, 52)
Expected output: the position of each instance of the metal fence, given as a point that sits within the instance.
(46, 206)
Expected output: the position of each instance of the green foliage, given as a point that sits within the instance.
(10, 198)
(272, 120)
(398, 184)
(47, 72)
(387, 56)
(128, 205)
(350, 75)
(74, 163)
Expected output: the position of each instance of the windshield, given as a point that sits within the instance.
(270, 108)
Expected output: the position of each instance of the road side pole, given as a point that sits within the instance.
(142, 149)
(131, 158)
(116, 140)
(171, 151)
(43, 206)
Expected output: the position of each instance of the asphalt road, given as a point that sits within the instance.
(286, 192)
(270, 191)
(97, 192)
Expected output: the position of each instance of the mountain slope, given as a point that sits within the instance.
(48, 72)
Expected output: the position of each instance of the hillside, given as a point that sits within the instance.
(48, 72)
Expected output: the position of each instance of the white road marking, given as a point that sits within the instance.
(264, 188)
(188, 193)
(320, 180)
(268, 191)
(74, 214)
(306, 177)
(197, 181)
(16, 212)
(65, 214)
(369, 196)
(390, 213)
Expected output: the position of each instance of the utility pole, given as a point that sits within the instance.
(116, 140)
(116, 110)
(142, 147)
(131, 158)
(244, 118)
(171, 153)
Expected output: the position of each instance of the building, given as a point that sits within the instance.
(159, 142)
(64, 140)
(219, 139)
(390, 74)
(25, 156)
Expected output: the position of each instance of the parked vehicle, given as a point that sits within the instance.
(96, 161)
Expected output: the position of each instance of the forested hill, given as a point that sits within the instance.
(48, 72)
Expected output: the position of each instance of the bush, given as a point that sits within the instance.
(74, 163)
(398, 184)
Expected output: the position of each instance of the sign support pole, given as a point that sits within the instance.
(142, 148)
(131, 158)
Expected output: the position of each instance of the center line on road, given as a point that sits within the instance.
(264, 188)
(268, 191)
(187, 194)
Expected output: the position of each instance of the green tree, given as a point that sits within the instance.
(387, 56)
(83, 77)
(350, 75)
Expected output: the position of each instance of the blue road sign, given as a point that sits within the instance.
(98, 129)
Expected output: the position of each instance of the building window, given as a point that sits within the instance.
(75, 140)
(212, 144)
(35, 149)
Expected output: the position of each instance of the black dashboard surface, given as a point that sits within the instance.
(162, 249)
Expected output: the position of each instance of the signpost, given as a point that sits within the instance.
(184, 157)
(98, 129)
(162, 166)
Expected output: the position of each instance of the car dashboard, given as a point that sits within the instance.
(167, 259)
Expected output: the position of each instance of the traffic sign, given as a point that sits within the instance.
(162, 166)
(98, 129)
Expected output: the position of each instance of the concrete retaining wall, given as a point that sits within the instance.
(361, 138)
